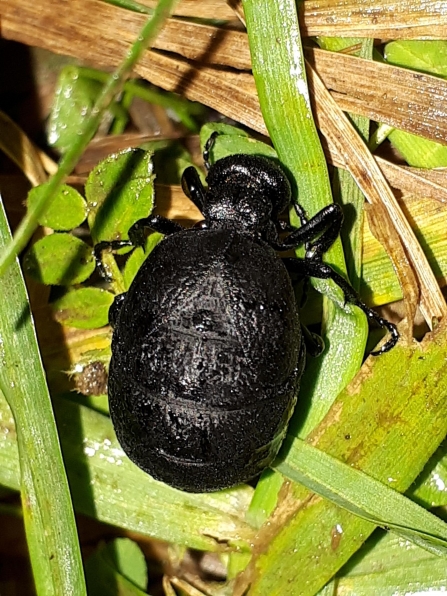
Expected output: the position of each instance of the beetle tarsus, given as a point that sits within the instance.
(193, 188)
(106, 245)
(207, 149)
(158, 223)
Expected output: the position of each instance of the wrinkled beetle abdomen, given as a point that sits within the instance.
(207, 358)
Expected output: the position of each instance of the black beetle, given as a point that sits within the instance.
(207, 349)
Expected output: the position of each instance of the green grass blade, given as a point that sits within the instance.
(363, 495)
(47, 509)
(389, 565)
(280, 75)
(347, 191)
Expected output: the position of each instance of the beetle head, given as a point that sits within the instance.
(245, 192)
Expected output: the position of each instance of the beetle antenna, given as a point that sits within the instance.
(206, 151)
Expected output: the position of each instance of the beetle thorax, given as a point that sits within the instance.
(238, 207)
(245, 192)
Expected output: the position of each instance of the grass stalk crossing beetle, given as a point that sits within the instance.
(208, 349)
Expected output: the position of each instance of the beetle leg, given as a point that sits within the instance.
(316, 268)
(112, 245)
(193, 188)
(284, 226)
(208, 146)
(318, 233)
(299, 210)
(313, 342)
(158, 223)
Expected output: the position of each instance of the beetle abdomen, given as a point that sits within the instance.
(197, 448)
(204, 374)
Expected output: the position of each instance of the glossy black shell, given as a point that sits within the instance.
(207, 358)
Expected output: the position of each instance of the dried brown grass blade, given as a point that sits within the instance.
(437, 176)
(405, 99)
(413, 181)
(238, 9)
(402, 19)
(339, 131)
(406, 19)
(205, 9)
(203, 43)
(407, 180)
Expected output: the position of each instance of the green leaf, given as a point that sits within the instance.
(119, 192)
(83, 308)
(280, 76)
(426, 56)
(59, 260)
(39, 469)
(265, 497)
(232, 140)
(74, 99)
(223, 130)
(170, 161)
(127, 557)
(68, 209)
(337, 44)
(117, 568)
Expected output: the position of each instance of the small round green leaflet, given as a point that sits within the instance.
(59, 260)
(232, 140)
(119, 192)
(83, 308)
(67, 210)
(74, 99)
